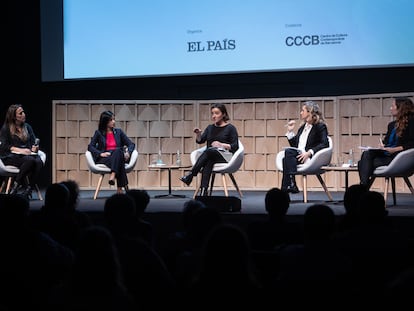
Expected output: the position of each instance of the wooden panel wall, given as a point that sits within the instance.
(167, 125)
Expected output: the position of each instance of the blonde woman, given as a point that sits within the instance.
(312, 136)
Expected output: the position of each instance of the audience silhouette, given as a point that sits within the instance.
(57, 257)
(32, 264)
(377, 249)
(351, 201)
(227, 271)
(314, 266)
(275, 230)
(96, 282)
(144, 228)
(143, 269)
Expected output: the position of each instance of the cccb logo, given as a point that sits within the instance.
(302, 40)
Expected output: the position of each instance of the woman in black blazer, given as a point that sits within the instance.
(312, 136)
(107, 147)
(399, 137)
(19, 147)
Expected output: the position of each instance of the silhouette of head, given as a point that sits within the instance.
(319, 222)
(277, 202)
(372, 207)
(141, 199)
(56, 197)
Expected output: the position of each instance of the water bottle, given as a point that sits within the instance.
(178, 159)
(159, 160)
(351, 157)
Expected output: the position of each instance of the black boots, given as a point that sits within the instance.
(290, 185)
(16, 188)
(187, 179)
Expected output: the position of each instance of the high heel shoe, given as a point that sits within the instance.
(14, 188)
(187, 179)
(204, 191)
(27, 192)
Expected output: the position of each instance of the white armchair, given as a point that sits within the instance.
(10, 171)
(311, 167)
(102, 169)
(222, 168)
(401, 166)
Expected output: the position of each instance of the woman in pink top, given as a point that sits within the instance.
(107, 147)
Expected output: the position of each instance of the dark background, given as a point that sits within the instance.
(22, 80)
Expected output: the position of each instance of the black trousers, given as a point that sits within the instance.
(290, 165)
(29, 165)
(116, 162)
(370, 160)
(205, 164)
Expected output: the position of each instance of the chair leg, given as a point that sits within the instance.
(394, 197)
(235, 184)
(212, 179)
(195, 192)
(197, 188)
(387, 179)
(226, 192)
(39, 194)
(305, 189)
(3, 184)
(407, 181)
(371, 181)
(324, 187)
(9, 182)
(98, 187)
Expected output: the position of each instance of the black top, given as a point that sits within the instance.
(226, 134)
(407, 138)
(7, 140)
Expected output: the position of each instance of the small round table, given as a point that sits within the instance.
(169, 168)
(345, 169)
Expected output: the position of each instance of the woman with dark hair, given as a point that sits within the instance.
(399, 137)
(222, 141)
(107, 147)
(19, 147)
(312, 136)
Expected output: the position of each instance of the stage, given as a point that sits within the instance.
(252, 202)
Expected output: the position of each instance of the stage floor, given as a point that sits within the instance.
(252, 202)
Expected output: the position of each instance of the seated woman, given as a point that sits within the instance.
(107, 147)
(18, 147)
(222, 141)
(399, 137)
(312, 136)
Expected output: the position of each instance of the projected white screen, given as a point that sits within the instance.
(118, 38)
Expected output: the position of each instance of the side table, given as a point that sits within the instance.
(345, 169)
(169, 168)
